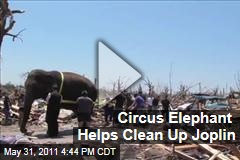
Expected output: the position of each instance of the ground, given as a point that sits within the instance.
(39, 131)
(65, 136)
(39, 134)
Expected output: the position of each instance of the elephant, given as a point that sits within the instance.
(39, 83)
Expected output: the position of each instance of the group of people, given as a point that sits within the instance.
(138, 103)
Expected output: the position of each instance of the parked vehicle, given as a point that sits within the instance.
(211, 102)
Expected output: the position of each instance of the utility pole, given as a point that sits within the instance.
(226, 88)
(0, 68)
(170, 80)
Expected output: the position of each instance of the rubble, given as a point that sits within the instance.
(37, 114)
(18, 139)
(193, 151)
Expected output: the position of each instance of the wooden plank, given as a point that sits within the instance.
(233, 157)
(184, 156)
(219, 146)
(207, 148)
(186, 146)
(211, 150)
(215, 155)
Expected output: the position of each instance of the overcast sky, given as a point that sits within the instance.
(199, 39)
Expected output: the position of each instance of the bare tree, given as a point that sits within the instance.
(158, 88)
(24, 75)
(150, 86)
(165, 90)
(7, 23)
(237, 80)
(140, 88)
(215, 91)
(183, 89)
(114, 87)
(119, 85)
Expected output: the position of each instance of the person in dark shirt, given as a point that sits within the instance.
(84, 110)
(108, 111)
(166, 106)
(155, 104)
(139, 102)
(53, 109)
(120, 100)
(6, 109)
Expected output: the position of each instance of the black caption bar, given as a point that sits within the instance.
(22, 151)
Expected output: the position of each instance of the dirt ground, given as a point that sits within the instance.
(39, 133)
(66, 137)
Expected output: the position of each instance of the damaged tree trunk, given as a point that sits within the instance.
(6, 25)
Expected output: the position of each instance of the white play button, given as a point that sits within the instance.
(111, 70)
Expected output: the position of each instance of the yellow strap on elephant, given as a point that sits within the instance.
(62, 80)
(60, 91)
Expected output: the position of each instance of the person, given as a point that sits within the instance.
(200, 105)
(149, 103)
(166, 106)
(6, 109)
(155, 104)
(84, 110)
(139, 102)
(119, 102)
(108, 111)
(53, 109)
(120, 99)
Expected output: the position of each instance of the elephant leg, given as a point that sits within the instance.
(22, 121)
(24, 111)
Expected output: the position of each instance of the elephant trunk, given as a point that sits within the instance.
(25, 111)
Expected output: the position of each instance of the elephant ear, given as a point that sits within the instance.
(45, 80)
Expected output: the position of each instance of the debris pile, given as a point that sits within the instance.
(180, 152)
(37, 114)
(178, 101)
(18, 139)
(193, 151)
